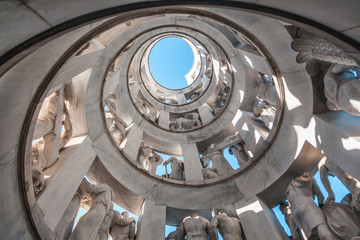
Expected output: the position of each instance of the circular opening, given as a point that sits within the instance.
(170, 60)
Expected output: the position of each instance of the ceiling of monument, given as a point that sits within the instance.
(246, 113)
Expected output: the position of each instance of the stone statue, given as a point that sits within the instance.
(267, 98)
(218, 160)
(176, 235)
(341, 85)
(240, 154)
(209, 173)
(49, 138)
(116, 125)
(37, 167)
(89, 224)
(123, 230)
(327, 168)
(195, 227)
(37, 178)
(221, 98)
(208, 73)
(342, 88)
(229, 227)
(148, 159)
(289, 219)
(46, 118)
(307, 215)
(154, 161)
(177, 168)
(144, 108)
(82, 198)
(110, 217)
(343, 219)
(67, 133)
(189, 121)
(144, 155)
(196, 94)
(71, 101)
(168, 99)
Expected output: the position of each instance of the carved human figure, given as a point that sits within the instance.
(196, 227)
(67, 133)
(176, 235)
(177, 168)
(218, 160)
(289, 219)
(124, 230)
(37, 178)
(38, 165)
(209, 173)
(229, 227)
(342, 88)
(46, 118)
(103, 232)
(189, 121)
(149, 112)
(327, 168)
(343, 219)
(71, 99)
(154, 161)
(116, 125)
(240, 154)
(221, 98)
(341, 85)
(80, 199)
(168, 99)
(267, 99)
(196, 94)
(89, 223)
(144, 155)
(307, 215)
(48, 128)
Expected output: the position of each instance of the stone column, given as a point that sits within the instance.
(65, 181)
(164, 119)
(181, 99)
(205, 114)
(192, 164)
(152, 221)
(258, 220)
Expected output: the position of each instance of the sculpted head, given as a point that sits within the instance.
(305, 177)
(283, 207)
(221, 212)
(125, 215)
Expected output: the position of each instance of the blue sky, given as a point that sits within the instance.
(170, 60)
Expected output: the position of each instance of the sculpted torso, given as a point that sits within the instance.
(195, 228)
(229, 227)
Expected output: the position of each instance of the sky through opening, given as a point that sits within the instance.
(170, 60)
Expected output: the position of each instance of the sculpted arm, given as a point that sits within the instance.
(324, 175)
(168, 161)
(132, 231)
(182, 231)
(213, 228)
(117, 219)
(318, 193)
